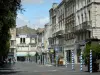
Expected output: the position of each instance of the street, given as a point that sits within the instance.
(31, 68)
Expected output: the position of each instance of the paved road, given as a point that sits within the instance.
(30, 68)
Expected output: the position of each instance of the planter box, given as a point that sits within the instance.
(95, 67)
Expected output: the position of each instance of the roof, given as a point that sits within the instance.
(32, 36)
(40, 30)
(25, 30)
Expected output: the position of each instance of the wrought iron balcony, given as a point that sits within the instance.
(59, 34)
(82, 27)
(22, 45)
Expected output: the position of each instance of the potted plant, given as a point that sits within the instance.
(95, 47)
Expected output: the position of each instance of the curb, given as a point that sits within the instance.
(9, 71)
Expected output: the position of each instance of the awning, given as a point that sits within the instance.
(25, 53)
(32, 53)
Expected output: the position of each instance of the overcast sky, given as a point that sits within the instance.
(36, 13)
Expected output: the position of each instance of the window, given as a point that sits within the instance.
(85, 16)
(78, 3)
(20, 40)
(82, 17)
(89, 35)
(85, 36)
(85, 2)
(88, 1)
(33, 40)
(79, 19)
(23, 40)
(89, 15)
(61, 12)
(12, 42)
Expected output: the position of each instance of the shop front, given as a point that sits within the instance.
(68, 54)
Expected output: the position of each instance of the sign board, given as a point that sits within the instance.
(56, 48)
(51, 50)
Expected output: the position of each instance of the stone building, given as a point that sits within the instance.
(87, 17)
(26, 43)
(73, 23)
(69, 24)
(12, 51)
(57, 18)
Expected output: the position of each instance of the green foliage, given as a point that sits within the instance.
(28, 55)
(95, 47)
(36, 54)
(8, 12)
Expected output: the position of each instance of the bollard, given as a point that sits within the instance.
(56, 60)
(52, 58)
(90, 61)
(42, 59)
(66, 59)
(72, 60)
(81, 67)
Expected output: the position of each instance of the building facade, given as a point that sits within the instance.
(79, 19)
(12, 51)
(69, 24)
(40, 44)
(57, 18)
(46, 35)
(87, 23)
(26, 47)
(47, 42)
(26, 43)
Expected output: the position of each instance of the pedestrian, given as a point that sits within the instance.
(14, 60)
(39, 61)
(9, 60)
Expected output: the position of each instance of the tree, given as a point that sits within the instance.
(95, 47)
(8, 12)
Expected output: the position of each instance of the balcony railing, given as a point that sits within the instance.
(23, 45)
(59, 34)
(83, 26)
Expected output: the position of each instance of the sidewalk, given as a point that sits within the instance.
(76, 67)
(8, 68)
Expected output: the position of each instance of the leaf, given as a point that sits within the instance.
(8, 12)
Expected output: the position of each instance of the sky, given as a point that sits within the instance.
(36, 13)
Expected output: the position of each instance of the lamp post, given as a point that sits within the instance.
(47, 59)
